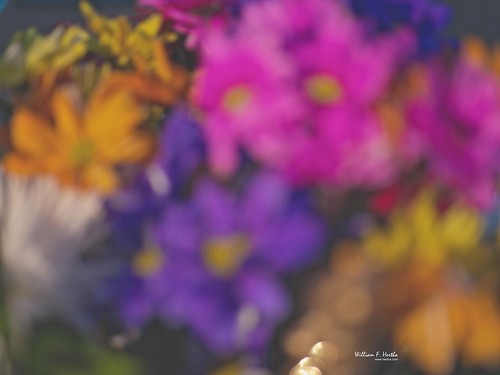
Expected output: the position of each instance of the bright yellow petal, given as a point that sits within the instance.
(111, 116)
(94, 20)
(74, 34)
(150, 27)
(101, 178)
(31, 134)
(461, 229)
(119, 28)
(423, 215)
(66, 117)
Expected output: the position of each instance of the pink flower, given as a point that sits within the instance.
(342, 78)
(245, 91)
(179, 4)
(455, 122)
(312, 112)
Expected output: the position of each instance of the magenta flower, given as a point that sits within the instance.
(455, 125)
(179, 4)
(246, 93)
(341, 80)
(299, 96)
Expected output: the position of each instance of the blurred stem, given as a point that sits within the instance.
(5, 107)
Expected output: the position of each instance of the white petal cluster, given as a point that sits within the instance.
(48, 238)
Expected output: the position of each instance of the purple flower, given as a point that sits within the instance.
(214, 262)
(427, 17)
(181, 153)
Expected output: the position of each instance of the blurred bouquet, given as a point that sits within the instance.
(252, 187)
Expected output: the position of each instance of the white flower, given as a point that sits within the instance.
(48, 235)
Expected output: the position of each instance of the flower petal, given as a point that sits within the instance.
(101, 178)
(31, 134)
(111, 116)
(17, 164)
(134, 148)
(66, 116)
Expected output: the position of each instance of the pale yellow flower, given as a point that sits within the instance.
(421, 232)
(57, 51)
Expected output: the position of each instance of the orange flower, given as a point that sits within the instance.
(80, 146)
(452, 325)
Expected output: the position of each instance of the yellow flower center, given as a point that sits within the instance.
(224, 255)
(81, 153)
(323, 89)
(148, 261)
(231, 369)
(237, 98)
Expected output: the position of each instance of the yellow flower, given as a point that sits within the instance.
(119, 38)
(80, 145)
(420, 232)
(58, 50)
(155, 79)
(159, 82)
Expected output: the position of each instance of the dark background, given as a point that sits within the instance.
(480, 17)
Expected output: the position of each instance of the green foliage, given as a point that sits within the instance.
(56, 350)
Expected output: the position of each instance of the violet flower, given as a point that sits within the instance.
(214, 262)
(181, 154)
